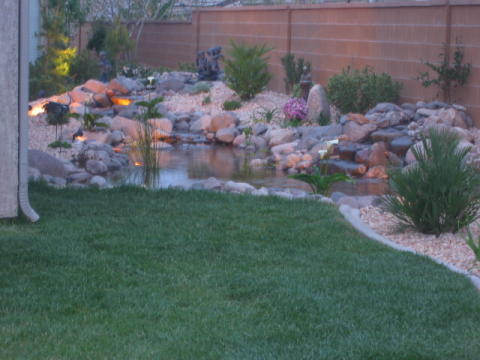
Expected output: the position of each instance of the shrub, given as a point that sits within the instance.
(293, 70)
(295, 109)
(230, 105)
(59, 144)
(206, 100)
(97, 40)
(474, 245)
(359, 90)
(441, 193)
(118, 43)
(85, 66)
(264, 115)
(448, 76)
(323, 119)
(246, 69)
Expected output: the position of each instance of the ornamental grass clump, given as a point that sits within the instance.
(440, 192)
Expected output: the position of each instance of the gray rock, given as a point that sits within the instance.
(320, 132)
(96, 167)
(79, 177)
(336, 195)
(281, 136)
(212, 184)
(131, 84)
(346, 167)
(169, 84)
(263, 191)
(34, 174)
(358, 133)
(317, 104)
(386, 135)
(384, 107)
(401, 145)
(226, 135)
(238, 187)
(99, 181)
(58, 181)
(259, 129)
(182, 126)
(46, 163)
(116, 137)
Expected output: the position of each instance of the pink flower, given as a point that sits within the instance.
(295, 108)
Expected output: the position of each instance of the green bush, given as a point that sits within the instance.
(359, 90)
(201, 87)
(85, 66)
(230, 105)
(97, 40)
(246, 69)
(441, 193)
(293, 70)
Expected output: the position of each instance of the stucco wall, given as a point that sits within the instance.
(9, 106)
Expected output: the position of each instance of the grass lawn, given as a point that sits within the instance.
(132, 274)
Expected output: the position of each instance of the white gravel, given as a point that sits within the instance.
(450, 248)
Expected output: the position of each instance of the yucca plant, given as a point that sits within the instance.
(319, 182)
(246, 69)
(440, 192)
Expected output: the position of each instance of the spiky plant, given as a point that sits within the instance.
(440, 192)
(246, 69)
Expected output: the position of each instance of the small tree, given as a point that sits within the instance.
(448, 75)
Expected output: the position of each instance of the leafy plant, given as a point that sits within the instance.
(60, 144)
(97, 40)
(323, 119)
(264, 115)
(230, 105)
(118, 43)
(474, 245)
(320, 183)
(293, 123)
(89, 121)
(293, 70)
(200, 87)
(84, 67)
(358, 90)
(206, 100)
(246, 69)
(150, 111)
(441, 192)
(447, 76)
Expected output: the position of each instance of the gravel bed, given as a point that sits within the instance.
(448, 247)
(219, 93)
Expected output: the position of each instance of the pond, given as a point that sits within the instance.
(187, 164)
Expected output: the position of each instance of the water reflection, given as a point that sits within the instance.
(187, 164)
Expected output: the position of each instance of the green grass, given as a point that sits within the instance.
(132, 274)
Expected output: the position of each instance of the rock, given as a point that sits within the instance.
(57, 181)
(131, 84)
(182, 126)
(95, 86)
(281, 136)
(226, 135)
(378, 155)
(401, 145)
(346, 167)
(292, 160)
(362, 156)
(357, 118)
(212, 184)
(391, 118)
(79, 177)
(118, 87)
(259, 129)
(96, 167)
(347, 151)
(386, 135)
(263, 191)
(259, 142)
(173, 84)
(384, 107)
(46, 163)
(162, 124)
(258, 162)
(317, 104)
(435, 105)
(238, 187)
(129, 112)
(127, 126)
(377, 172)
(358, 133)
(34, 174)
(285, 149)
(79, 96)
(394, 159)
(102, 100)
(461, 120)
(336, 196)
(239, 140)
(202, 124)
(320, 132)
(447, 116)
(221, 121)
(426, 112)
(409, 157)
(99, 181)
(116, 137)
(304, 164)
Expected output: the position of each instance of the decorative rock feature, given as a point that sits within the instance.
(358, 133)
(378, 155)
(259, 129)
(46, 163)
(377, 172)
(281, 136)
(127, 126)
(317, 104)
(357, 118)
(221, 121)
(95, 86)
(117, 86)
(238, 187)
(99, 181)
(386, 135)
(401, 145)
(346, 167)
(226, 135)
(96, 167)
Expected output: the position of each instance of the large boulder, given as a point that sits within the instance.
(95, 86)
(118, 87)
(317, 104)
(77, 95)
(226, 135)
(378, 155)
(127, 126)
(163, 124)
(346, 167)
(46, 163)
(96, 167)
(386, 135)
(131, 84)
(281, 136)
(320, 132)
(285, 149)
(170, 84)
(221, 121)
(358, 133)
(202, 124)
(401, 145)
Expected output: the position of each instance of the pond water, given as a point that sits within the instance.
(187, 164)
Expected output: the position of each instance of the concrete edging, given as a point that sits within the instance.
(353, 217)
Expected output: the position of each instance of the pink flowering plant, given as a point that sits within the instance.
(295, 109)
